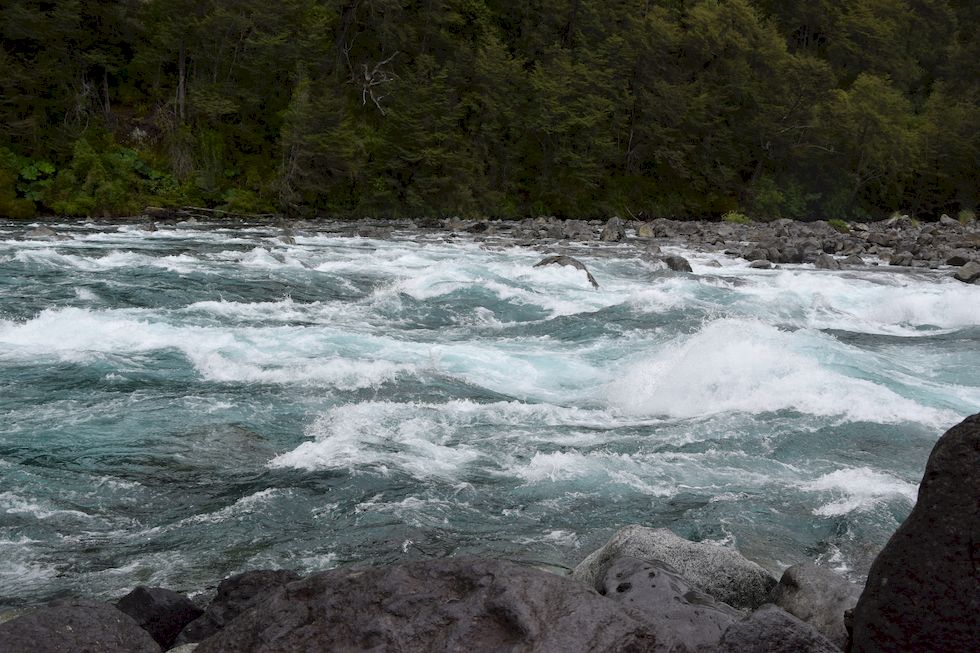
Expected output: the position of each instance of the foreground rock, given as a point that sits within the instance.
(677, 263)
(236, 594)
(969, 273)
(441, 605)
(819, 597)
(73, 626)
(718, 571)
(923, 590)
(773, 630)
(160, 612)
(568, 260)
(683, 617)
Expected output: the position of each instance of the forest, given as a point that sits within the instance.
(804, 109)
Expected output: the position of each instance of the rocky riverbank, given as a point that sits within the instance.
(644, 590)
(899, 241)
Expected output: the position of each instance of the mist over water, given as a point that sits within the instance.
(181, 405)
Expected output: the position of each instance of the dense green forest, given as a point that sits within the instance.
(577, 108)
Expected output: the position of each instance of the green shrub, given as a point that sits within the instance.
(966, 216)
(839, 225)
(735, 217)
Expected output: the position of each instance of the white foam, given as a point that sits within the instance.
(858, 489)
(736, 365)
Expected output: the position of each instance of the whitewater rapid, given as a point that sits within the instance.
(182, 404)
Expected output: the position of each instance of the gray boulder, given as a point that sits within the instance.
(761, 264)
(75, 626)
(577, 230)
(969, 273)
(677, 263)
(819, 597)
(41, 233)
(573, 262)
(160, 612)
(773, 630)
(718, 571)
(437, 605)
(923, 590)
(644, 230)
(826, 262)
(614, 231)
(960, 257)
(683, 617)
(236, 594)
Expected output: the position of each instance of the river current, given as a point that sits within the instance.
(180, 405)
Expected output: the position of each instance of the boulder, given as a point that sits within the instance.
(677, 263)
(773, 630)
(573, 262)
(826, 262)
(903, 259)
(457, 604)
(75, 626)
(761, 264)
(959, 257)
(923, 590)
(644, 230)
(853, 259)
(577, 230)
(236, 594)
(969, 273)
(41, 233)
(683, 617)
(160, 612)
(819, 597)
(718, 571)
(614, 231)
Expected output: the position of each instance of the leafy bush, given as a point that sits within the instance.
(966, 216)
(735, 217)
(839, 225)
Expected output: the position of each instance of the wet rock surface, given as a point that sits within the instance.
(75, 626)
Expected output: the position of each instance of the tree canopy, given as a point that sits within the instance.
(578, 108)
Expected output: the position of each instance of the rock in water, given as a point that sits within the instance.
(160, 612)
(438, 605)
(773, 630)
(614, 231)
(826, 262)
(923, 590)
(969, 273)
(41, 233)
(684, 618)
(75, 626)
(677, 263)
(818, 597)
(718, 571)
(568, 260)
(236, 594)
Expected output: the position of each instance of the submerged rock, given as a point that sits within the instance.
(236, 594)
(683, 617)
(677, 263)
(440, 605)
(773, 630)
(818, 597)
(718, 571)
(41, 233)
(923, 590)
(160, 612)
(75, 626)
(568, 260)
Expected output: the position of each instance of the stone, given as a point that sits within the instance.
(80, 626)
(959, 257)
(614, 231)
(755, 254)
(568, 260)
(184, 648)
(923, 589)
(720, 572)
(826, 262)
(644, 230)
(456, 604)
(677, 263)
(819, 597)
(683, 617)
(853, 259)
(236, 594)
(903, 259)
(761, 264)
(653, 248)
(773, 630)
(160, 612)
(41, 233)
(577, 230)
(969, 273)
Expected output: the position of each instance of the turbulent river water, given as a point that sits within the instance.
(180, 405)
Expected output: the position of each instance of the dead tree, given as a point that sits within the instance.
(371, 80)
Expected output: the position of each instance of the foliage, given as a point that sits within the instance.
(735, 217)
(786, 108)
(839, 225)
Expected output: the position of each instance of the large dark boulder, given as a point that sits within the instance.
(438, 605)
(683, 617)
(236, 594)
(677, 263)
(923, 590)
(568, 260)
(614, 230)
(78, 627)
(969, 273)
(718, 571)
(773, 630)
(160, 612)
(819, 597)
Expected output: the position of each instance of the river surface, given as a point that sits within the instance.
(180, 405)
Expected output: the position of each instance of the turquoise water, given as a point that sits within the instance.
(180, 405)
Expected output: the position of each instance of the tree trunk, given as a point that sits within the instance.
(181, 83)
